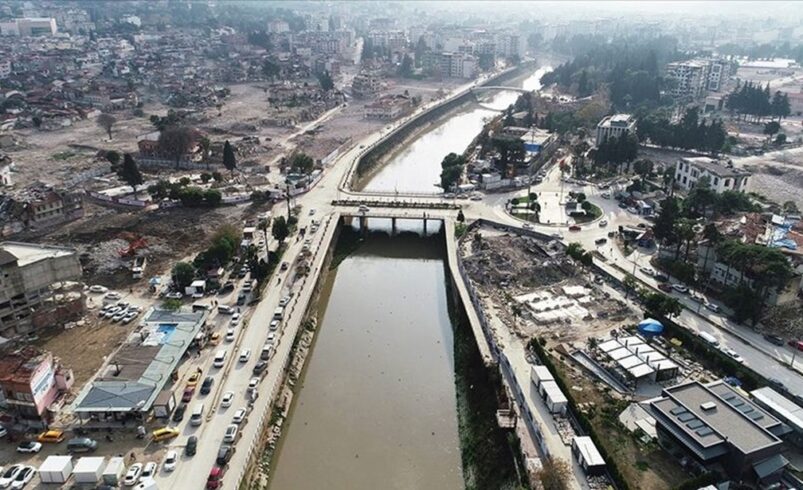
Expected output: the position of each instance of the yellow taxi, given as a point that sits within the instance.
(164, 434)
(51, 436)
(215, 338)
(194, 379)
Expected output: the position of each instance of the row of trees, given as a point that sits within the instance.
(752, 100)
(578, 253)
(617, 150)
(691, 133)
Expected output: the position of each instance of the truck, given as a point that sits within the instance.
(138, 267)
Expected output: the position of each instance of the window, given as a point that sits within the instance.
(727, 182)
(716, 180)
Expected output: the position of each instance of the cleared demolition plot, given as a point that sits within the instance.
(538, 291)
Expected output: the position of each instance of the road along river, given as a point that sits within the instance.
(417, 166)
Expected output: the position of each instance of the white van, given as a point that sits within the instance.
(220, 358)
(197, 414)
(225, 309)
(278, 313)
(709, 338)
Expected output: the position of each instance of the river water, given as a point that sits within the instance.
(417, 167)
(376, 406)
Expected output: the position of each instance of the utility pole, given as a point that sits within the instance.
(288, 201)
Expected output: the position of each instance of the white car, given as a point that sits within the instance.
(3, 433)
(230, 334)
(603, 223)
(239, 416)
(733, 354)
(171, 459)
(647, 271)
(175, 295)
(29, 447)
(149, 471)
(119, 315)
(312, 212)
(284, 301)
(132, 475)
(111, 311)
(228, 397)
(112, 295)
(712, 307)
(680, 288)
(23, 477)
(231, 433)
(129, 317)
(244, 355)
(252, 385)
(8, 476)
(271, 338)
(97, 288)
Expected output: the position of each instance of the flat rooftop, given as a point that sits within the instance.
(29, 253)
(715, 167)
(714, 413)
(139, 370)
(618, 120)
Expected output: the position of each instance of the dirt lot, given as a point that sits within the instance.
(642, 465)
(537, 293)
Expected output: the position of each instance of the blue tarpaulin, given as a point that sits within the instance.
(650, 326)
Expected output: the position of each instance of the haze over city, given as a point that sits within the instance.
(409, 245)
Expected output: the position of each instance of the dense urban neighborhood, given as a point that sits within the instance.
(359, 245)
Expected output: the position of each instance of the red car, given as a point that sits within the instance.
(796, 344)
(215, 479)
(575, 228)
(188, 392)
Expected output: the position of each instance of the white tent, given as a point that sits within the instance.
(55, 469)
(88, 469)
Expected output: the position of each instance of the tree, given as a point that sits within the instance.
(113, 157)
(790, 207)
(325, 79)
(280, 230)
(406, 67)
(212, 197)
(780, 139)
(130, 173)
(451, 170)
(106, 122)
(554, 474)
(229, 160)
(664, 227)
(302, 163)
(771, 128)
(176, 142)
(643, 167)
(271, 69)
(183, 274)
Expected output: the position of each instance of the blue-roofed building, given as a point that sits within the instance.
(134, 376)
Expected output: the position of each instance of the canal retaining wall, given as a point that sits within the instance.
(295, 314)
(377, 152)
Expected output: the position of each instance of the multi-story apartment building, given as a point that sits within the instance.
(452, 65)
(510, 45)
(27, 272)
(615, 126)
(719, 71)
(689, 78)
(29, 26)
(278, 27)
(721, 178)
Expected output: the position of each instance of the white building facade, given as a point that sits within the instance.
(615, 126)
(688, 171)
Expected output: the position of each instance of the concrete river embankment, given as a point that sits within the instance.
(376, 406)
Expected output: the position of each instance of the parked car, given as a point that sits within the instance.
(241, 299)
(55, 436)
(603, 223)
(239, 416)
(132, 475)
(149, 470)
(206, 387)
(253, 383)
(81, 445)
(732, 354)
(712, 307)
(3, 433)
(680, 288)
(796, 344)
(194, 378)
(9, 474)
(29, 447)
(284, 301)
(165, 434)
(647, 271)
(215, 479)
(665, 287)
(97, 288)
(178, 414)
(601, 241)
(244, 355)
(192, 446)
(23, 477)
(575, 228)
(661, 277)
(260, 366)
(224, 455)
(175, 295)
(171, 459)
(187, 395)
(112, 295)
(228, 397)
(231, 334)
(773, 339)
(284, 266)
(231, 433)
